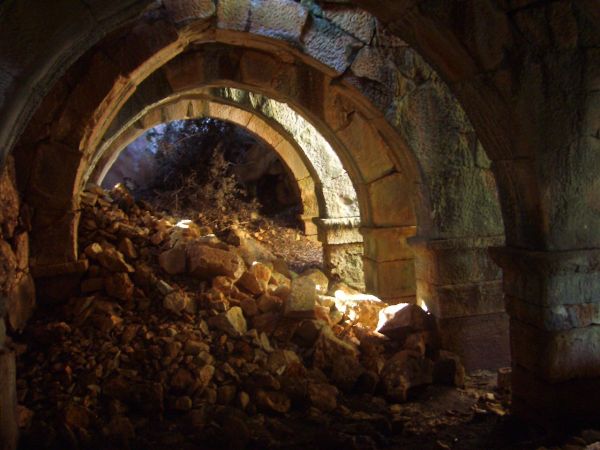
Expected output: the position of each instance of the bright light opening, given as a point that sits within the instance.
(185, 224)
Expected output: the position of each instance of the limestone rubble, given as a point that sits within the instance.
(170, 322)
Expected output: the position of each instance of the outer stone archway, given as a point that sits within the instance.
(378, 172)
(346, 103)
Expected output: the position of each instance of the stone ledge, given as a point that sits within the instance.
(547, 263)
(554, 318)
(342, 230)
(420, 242)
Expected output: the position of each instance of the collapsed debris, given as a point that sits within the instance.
(171, 322)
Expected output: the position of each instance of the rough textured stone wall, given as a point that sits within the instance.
(17, 296)
(17, 290)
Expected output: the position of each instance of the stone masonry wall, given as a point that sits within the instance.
(17, 295)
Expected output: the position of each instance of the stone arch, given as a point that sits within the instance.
(302, 147)
(190, 107)
(343, 258)
(342, 105)
(376, 177)
(502, 60)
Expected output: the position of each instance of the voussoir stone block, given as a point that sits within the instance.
(556, 317)
(278, 19)
(265, 130)
(368, 148)
(329, 44)
(187, 72)
(183, 10)
(258, 68)
(289, 154)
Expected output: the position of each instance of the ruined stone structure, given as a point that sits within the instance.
(447, 150)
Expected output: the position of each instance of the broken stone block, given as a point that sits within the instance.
(173, 261)
(143, 396)
(106, 322)
(21, 302)
(109, 258)
(266, 322)
(223, 284)
(322, 313)
(181, 380)
(357, 306)
(207, 262)
(302, 299)
(338, 358)
(249, 248)
(273, 401)
(249, 307)
(280, 280)
(416, 342)
(231, 322)
(448, 370)
(127, 248)
(323, 396)
(280, 360)
(407, 320)
(205, 375)
(178, 302)
(268, 303)
(77, 416)
(404, 371)
(119, 431)
(90, 285)
(255, 279)
(119, 285)
(319, 278)
(226, 394)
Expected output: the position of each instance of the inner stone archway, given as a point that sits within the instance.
(327, 194)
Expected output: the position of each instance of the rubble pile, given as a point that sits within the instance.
(182, 338)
